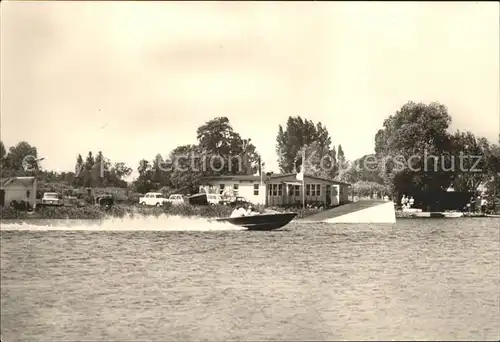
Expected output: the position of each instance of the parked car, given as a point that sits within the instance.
(105, 201)
(239, 201)
(215, 199)
(176, 199)
(153, 198)
(52, 199)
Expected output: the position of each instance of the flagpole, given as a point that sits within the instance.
(303, 167)
(260, 170)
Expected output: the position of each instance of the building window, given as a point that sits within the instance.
(274, 189)
(313, 190)
(256, 189)
(270, 189)
(297, 190)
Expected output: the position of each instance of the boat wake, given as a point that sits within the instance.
(135, 223)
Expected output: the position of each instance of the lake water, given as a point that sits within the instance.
(185, 280)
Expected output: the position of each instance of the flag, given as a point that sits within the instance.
(300, 175)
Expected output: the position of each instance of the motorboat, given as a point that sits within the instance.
(260, 221)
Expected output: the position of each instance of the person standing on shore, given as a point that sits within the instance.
(484, 203)
(478, 203)
(404, 200)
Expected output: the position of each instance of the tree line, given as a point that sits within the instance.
(434, 157)
(413, 134)
(95, 171)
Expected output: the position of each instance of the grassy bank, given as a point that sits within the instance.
(117, 211)
(402, 214)
(124, 210)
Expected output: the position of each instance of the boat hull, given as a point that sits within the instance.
(260, 222)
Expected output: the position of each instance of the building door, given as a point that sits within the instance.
(2, 197)
(290, 191)
(328, 195)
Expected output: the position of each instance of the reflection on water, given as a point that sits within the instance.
(418, 279)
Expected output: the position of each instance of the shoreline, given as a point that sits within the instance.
(411, 215)
(121, 211)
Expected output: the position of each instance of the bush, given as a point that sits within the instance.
(123, 210)
(133, 198)
(11, 213)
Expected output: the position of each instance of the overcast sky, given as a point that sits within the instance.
(137, 78)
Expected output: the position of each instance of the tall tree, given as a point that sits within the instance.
(187, 166)
(405, 144)
(3, 151)
(469, 161)
(493, 170)
(3, 160)
(160, 176)
(143, 182)
(298, 134)
(225, 150)
(98, 170)
(87, 170)
(120, 170)
(343, 164)
(79, 171)
(22, 158)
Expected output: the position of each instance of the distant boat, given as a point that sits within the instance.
(261, 221)
(453, 214)
(438, 214)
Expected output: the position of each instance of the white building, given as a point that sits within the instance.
(18, 189)
(278, 189)
(253, 188)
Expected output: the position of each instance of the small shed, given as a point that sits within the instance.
(18, 189)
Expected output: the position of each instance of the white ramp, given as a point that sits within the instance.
(382, 213)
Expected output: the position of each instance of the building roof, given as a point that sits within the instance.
(266, 178)
(7, 180)
(235, 178)
(282, 175)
